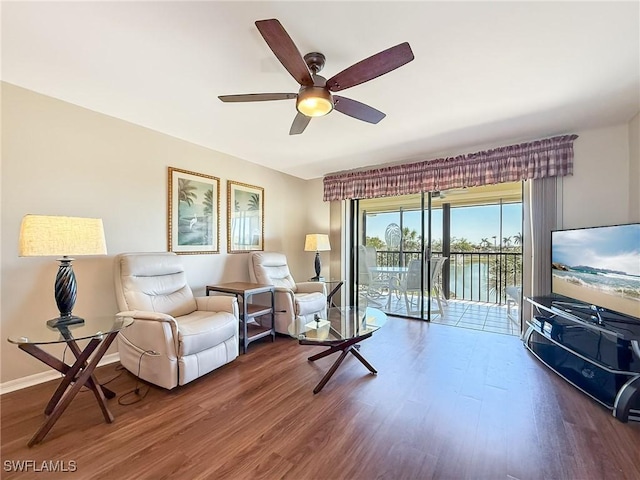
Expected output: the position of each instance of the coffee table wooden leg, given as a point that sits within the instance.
(364, 361)
(325, 353)
(332, 370)
(339, 347)
(345, 347)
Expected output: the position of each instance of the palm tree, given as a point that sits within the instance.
(208, 210)
(410, 240)
(506, 241)
(461, 245)
(208, 202)
(186, 191)
(235, 222)
(254, 202)
(517, 239)
(376, 243)
(485, 243)
(253, 205)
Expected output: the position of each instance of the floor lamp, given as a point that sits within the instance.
(42, 235)
(317, 242)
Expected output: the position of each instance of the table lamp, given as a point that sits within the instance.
(317, 242)
(42, 235)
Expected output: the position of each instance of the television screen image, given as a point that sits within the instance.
(599, 266)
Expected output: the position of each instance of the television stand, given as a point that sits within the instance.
(600, 357)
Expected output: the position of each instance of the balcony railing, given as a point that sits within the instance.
(476, 276)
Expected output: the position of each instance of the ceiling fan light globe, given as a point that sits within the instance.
(314, 101)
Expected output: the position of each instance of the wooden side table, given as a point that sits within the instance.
(100, 332)
(243, 292)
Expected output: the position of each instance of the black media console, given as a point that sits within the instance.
(595, 351)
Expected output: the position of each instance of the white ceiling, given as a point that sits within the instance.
(484, 74)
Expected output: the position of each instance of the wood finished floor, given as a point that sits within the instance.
(448, 403)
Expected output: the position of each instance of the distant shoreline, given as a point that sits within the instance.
(626, 305)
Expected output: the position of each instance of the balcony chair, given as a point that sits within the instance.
(176, 337)
(411, 286)
(371, 282)
(514, 298)
(295, 303)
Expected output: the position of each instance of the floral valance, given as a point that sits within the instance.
(550, 157)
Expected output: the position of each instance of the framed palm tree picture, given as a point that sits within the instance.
(194, 212)
(245, 217)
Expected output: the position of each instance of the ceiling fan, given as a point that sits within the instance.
(315, 98)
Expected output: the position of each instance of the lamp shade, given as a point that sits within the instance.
(317, 242)
(42, 235)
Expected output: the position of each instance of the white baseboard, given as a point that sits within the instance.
(29, 381)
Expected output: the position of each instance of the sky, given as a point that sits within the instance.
(472, 223)
(612, 248)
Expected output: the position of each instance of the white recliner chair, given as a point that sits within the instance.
(294, 302)
(176, 337)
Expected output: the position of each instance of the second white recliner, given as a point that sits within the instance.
(294, 302)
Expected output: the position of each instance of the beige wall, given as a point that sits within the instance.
(60, 159)
(600, 189)
(634, 169)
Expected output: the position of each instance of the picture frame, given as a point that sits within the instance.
(193, 212)
(245, 217)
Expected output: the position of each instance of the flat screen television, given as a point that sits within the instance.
(599, 266)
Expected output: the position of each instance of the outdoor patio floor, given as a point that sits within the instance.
(488, 317)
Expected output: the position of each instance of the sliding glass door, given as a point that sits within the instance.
(439, 255)
(392, 244)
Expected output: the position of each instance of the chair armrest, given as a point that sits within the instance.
(152, 331)
(144, 315)
(218, 303)
(311, 287)
(284, 290)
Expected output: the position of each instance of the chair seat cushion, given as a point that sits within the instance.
(307, 303)
(202, 330)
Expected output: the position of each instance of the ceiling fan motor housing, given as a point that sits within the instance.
(315, 61)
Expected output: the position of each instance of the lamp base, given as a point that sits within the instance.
(65, 321)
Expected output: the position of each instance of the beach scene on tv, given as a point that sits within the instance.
(599, 266)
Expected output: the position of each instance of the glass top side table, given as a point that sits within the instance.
(100, 331)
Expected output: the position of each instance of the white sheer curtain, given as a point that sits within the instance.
(542, 207)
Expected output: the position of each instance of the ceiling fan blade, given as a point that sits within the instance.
(371, 67)
(285, 50)
(299, 124)
(357, 110)
(257, 97)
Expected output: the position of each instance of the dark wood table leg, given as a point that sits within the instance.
(331, 371)
(63, 397)
(344, 347)
(364, 361)
(92, 382)
(69, 372)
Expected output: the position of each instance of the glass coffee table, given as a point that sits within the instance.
(341, 329)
